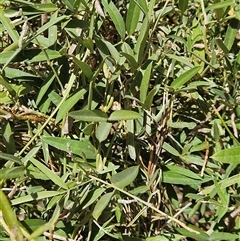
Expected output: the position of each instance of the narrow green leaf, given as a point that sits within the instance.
(102, 203)
(45, 7)
(199, 147)
(10, 218)
(139, 190)
(182, 5)
(219, 12)
(231, 155)
(131, 139)
(32, 223)
(48, 226)
(223, 184)
(69, 4)
(151, 5)
(9, 26)
(41, 56)
(50, 174)
(149, 100)
(181, 176)
(132, 19)
(124, 115)
(39, 231)
(221, 193)
(222, 4)
(53, 35)
(170, 149)
(34, 172)
(185, 77)
(142, 5)
(7, 137)
(178, 179)
(183, 171)
(36, 196)
(223, 236)
(49, 24)
(4, 82)
(69, 103)
(89, 115)
(113, 51)
(54, 97)
(145, 82)
(77, 147)
(200, 236)
(18, 74)
(44, 88)
(182, 124)
(131, 60)
(32, 55)
(115, 16)
(180, 59)
(84, 67)
(103, 131)
(10, 157)
(10, 173)
(231, 33)
(125, 177)
(92, 196)
(142, 41)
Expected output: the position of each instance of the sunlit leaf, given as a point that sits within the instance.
(231, 155)
(69, 103)
(50, 174)
(132, 22)
(185, 77)
(115, 16)
(124, 115)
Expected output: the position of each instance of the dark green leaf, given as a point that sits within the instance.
(125, 177)
(84, 67)
(10, 157)
(84, 147)
(231, 33)
(185, 77)
(115, 17)
(102, 203)
(89, 115)
(183, 4)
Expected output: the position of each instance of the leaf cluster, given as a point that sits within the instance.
(119, 120)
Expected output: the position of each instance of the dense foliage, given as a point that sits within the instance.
(120, 120)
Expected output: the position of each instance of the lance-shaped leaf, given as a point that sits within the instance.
(185, 77)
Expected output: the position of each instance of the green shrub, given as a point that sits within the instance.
(119, 120)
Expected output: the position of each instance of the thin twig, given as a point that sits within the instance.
(149, 205)
(58, 237)
(235, 131)
(205, 158)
